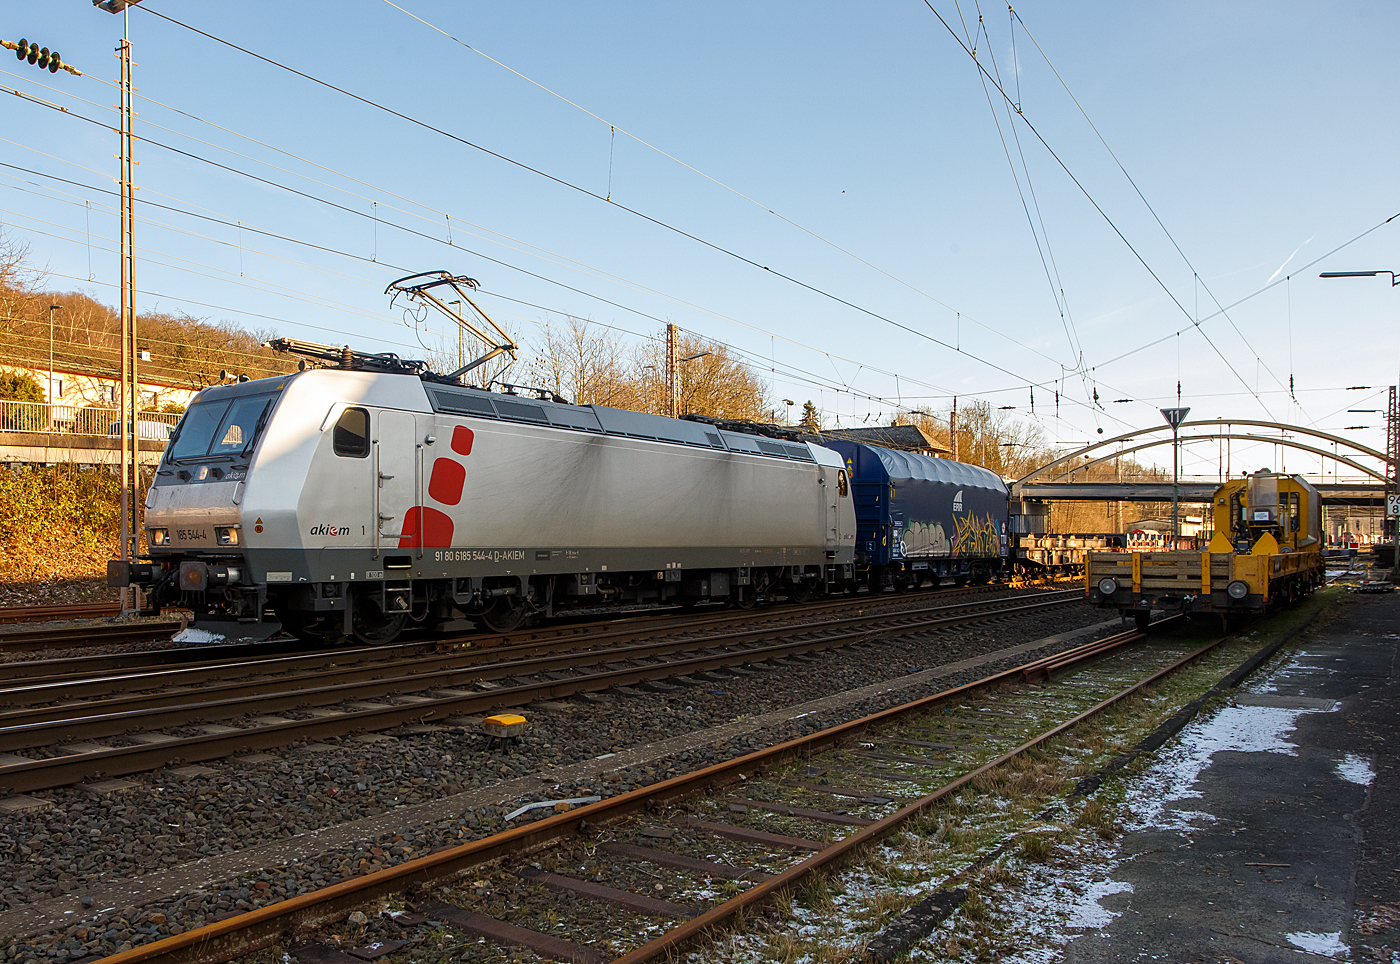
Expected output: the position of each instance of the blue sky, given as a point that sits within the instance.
(848, 147)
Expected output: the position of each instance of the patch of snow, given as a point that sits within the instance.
(1356, 769)
(1088, 912)
(193, 635)
(1328, 945)
(1245, 729)
(1054, 905)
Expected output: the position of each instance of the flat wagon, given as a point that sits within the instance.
(1266, 551)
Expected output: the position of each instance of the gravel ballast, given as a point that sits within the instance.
(333, 804)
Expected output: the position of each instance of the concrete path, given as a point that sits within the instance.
(1268, 828)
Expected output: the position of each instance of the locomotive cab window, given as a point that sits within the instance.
(241, 426)
(220, 428)
(841, 487)
(351, 437)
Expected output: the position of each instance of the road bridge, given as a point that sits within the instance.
(1341, 493)
(1055, 480)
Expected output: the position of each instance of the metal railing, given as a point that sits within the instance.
(58, 419)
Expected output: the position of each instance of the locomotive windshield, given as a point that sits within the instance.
(217, 427)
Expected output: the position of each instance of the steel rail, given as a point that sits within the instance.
(717, 915)
(238, 936)
(40, 670)
(31, 614)
(115, 761)
(83, 684)
(327, 669)
(87, 635)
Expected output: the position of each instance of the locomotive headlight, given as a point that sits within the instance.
(1237, 589)
(1108, 586)
(226, 535)
(159, 537)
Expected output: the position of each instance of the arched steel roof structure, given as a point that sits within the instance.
(1118, 453)
(1355, 448)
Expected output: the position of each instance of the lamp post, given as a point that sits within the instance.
(461, 351)
(1392, 435)
(48, 396)
(680, 373)
(1174, 418)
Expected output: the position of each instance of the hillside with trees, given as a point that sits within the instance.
(186, 352)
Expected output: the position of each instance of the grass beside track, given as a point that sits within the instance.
(986, 837)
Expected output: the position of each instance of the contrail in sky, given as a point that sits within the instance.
(1290, 258)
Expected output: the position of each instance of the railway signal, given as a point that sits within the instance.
(41, 57)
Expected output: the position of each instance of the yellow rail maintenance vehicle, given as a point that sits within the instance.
(1265, 552)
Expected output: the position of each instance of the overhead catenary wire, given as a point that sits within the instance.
(1140, 195)
(304, 194)
(861, 395)
(368, 262)
(359, 213)
(1254, 294)
(593, 194)
(782, 370)
(614, 129)
(1056, 285)
(1097, 207)
(550, 255)
(353, 211)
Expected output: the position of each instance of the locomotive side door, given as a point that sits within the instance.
(395, 452)
(833, 485)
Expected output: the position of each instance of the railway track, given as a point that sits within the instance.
(51, 743)
(66, 637)
(83, 675)
(218, 659)
(34, 614)
(643, 875)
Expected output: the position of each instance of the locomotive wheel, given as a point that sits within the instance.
(744, 597)
(801, 592)
(372, 627)
(503, 615)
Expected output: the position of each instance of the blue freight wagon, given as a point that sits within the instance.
(921, 519)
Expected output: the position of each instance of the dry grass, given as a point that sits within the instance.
(782, 948)
(976, 909)
(885, 905)
(956, 835)
(1103, 821)
(997, 873)
(1030, 781)
(1036, 848)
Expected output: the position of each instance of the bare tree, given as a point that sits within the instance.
(713, 382)
(19, 283)
(986, 437)
(583, 363)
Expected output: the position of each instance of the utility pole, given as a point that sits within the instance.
(1392, 485)
(953, 428)
(129, 402)
(1174, 417)
(1118, 505)
(673, 371)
